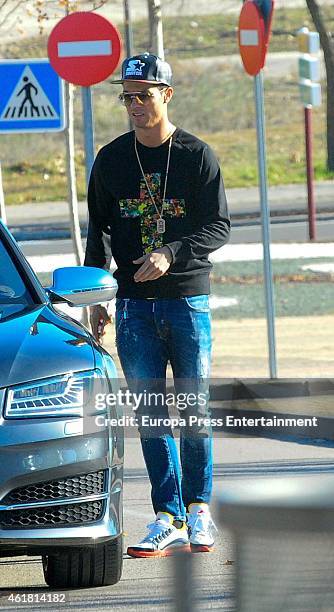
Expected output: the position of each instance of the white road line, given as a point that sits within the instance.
(254, 252)
(227, 253)
(326, 268)
(83, 48)
(47, 263)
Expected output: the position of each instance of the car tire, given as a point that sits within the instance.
(85, 567)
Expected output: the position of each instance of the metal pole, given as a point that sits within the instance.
(128, 29)
(71, 176)
(87, 109)
(88, 124)
(265, 219)
(310, 173)
(184, 594)
(128, 37)
(3, 215)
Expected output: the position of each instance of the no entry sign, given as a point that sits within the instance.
(254, 32)
(251, 38)
(84, 48)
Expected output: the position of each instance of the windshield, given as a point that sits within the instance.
(13, 289)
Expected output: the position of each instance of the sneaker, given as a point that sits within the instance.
(163, 539)
(200, 527)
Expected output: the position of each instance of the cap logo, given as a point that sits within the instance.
(134, 68)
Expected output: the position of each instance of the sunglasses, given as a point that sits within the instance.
(140, 96)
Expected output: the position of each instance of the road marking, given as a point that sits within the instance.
(325, 268)
(217, 301)
(254, 252)
(228, 253)
(47, 263)
(84, 48)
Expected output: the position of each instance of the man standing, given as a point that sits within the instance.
(157, 205)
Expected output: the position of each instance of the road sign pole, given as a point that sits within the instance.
(128, 38)
(310, 92)
(265, 218)
(87, 109)
(3, 216)
(310, 174)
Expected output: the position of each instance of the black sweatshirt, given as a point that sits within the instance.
(122, 217)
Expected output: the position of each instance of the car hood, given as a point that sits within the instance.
(36, 342)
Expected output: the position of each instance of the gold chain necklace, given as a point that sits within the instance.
(161, 225)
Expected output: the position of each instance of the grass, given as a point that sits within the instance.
(297, 292)
(219, 110)
(194, 36)
(290, 298)
(191, 36)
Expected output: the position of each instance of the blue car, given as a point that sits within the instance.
(61, 470)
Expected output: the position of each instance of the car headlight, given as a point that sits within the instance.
(51, 397)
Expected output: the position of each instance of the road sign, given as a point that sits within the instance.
(308, 42)
(84, 48)
(31, 97)
(309, 68)
(310, 93)
(252, 38)
(266, 9)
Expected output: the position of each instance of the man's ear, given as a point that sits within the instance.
(168, 94)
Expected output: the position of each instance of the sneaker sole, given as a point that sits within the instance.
(168, 552)
(197, 548)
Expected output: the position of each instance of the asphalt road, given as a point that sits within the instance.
(245, 233)
(148, 584)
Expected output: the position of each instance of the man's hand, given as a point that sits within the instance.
(155, 264)
(98, 319)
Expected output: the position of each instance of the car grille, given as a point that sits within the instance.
(75, 486)
(56, 516)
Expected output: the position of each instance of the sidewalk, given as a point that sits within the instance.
(304, 347)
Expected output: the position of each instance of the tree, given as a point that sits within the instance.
(327, 44)
(155, 28)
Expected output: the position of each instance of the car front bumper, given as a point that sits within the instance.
(32, 455)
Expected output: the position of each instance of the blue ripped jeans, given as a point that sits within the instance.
(149, 334)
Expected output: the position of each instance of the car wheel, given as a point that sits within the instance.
(85, 567)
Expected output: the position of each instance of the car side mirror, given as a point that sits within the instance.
(82, 286)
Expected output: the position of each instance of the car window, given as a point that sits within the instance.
(13, 289)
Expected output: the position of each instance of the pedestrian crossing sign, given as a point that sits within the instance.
(31, 97)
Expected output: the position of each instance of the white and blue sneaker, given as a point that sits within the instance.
(200, 527)
(163, 539)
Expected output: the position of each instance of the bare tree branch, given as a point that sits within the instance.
(10, 12)
(98, 6)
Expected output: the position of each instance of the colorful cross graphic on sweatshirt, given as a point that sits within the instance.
(143, 208)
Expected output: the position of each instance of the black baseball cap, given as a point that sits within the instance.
(146, 68)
